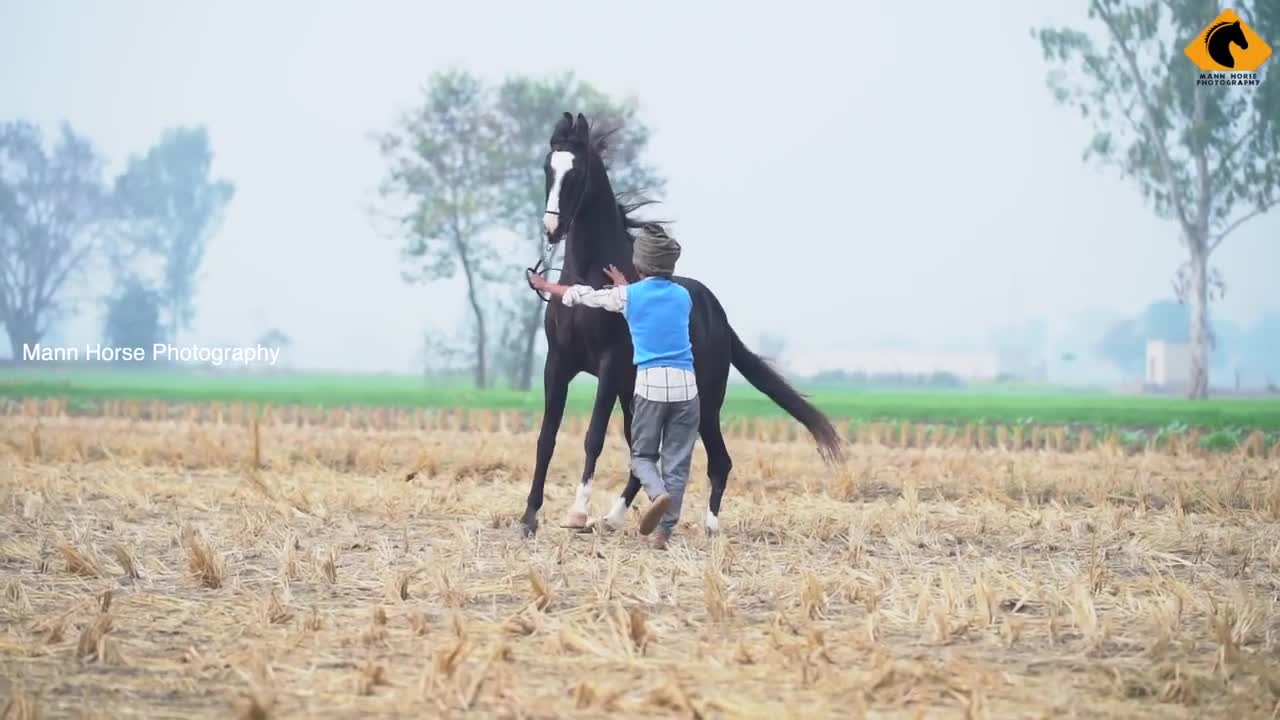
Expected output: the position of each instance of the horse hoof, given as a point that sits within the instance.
(600, 526)
(713, 525)
(575, 520)
(524, 531)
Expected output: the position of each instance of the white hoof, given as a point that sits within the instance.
(600, 526)
(617, 517)
(713, 524)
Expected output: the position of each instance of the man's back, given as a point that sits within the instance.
(657, 313)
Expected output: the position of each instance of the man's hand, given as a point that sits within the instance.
(615, 275)
(541, 284)
(538, 282)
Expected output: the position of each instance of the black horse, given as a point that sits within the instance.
(582, 207)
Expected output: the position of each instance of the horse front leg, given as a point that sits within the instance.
(556, 376)
(593, 445)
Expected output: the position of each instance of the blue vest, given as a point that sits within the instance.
(657, 312)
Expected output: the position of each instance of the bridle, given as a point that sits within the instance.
(538, 269)
(548, 249)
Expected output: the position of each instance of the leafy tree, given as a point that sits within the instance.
(1260, 348)
(439, 192)
(526, 109)
(170, 209)
(1206, 156)
(511, 315)
(133, 317)
(1125, 342)
(53, 208)
(275, 337)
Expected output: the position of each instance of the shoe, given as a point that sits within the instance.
(653, 513)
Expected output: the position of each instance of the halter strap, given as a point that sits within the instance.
(544, 263)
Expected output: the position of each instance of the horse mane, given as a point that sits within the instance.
(626, 210)
(1209, 33)
(628, 201)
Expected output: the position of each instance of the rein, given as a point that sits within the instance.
(544, 263)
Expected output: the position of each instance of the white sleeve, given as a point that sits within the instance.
(613, 299)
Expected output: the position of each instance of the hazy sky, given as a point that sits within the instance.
(904, 163)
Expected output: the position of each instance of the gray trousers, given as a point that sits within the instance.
(664, 432)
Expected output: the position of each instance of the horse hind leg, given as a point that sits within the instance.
(719, 464)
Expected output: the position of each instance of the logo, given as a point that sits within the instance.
(1228, 52)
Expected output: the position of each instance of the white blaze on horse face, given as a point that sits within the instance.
(583, 501)
(561, 163)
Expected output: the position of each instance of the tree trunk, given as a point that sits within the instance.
(524, 380)
(481, 374)
(532, 325)
(1199, 299)
(21, 333)
(481, 338)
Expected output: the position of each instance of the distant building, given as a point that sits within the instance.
(1168, 365)
(967, 366)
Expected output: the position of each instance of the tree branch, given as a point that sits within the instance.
(8, 280)
(1240, 141)
(1240, 221)
(1137, 126)
(1162, 152)
(45, 298)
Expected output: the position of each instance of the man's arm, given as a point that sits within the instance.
(613, 299)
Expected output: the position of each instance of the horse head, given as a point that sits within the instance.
(568, 168)
(1219, 40)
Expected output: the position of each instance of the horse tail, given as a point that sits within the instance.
(764, 378)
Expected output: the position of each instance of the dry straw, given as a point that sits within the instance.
(929, 576)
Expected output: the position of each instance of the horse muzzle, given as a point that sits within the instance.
(551, 221)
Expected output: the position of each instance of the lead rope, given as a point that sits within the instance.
(542, 267)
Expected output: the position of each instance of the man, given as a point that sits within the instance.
(665, 410)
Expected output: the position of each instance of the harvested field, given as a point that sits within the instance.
(172, 568)
(981, 435)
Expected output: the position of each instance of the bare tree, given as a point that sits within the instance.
(53, 206)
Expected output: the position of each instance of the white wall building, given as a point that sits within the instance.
(968, 366)
(1168, 364)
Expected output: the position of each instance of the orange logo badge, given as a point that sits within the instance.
(1228, 45)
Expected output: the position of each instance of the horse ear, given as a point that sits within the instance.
(563, 128)
(581, 131)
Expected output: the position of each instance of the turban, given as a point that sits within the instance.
(655, 251)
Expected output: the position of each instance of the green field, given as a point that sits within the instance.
(990, 405)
